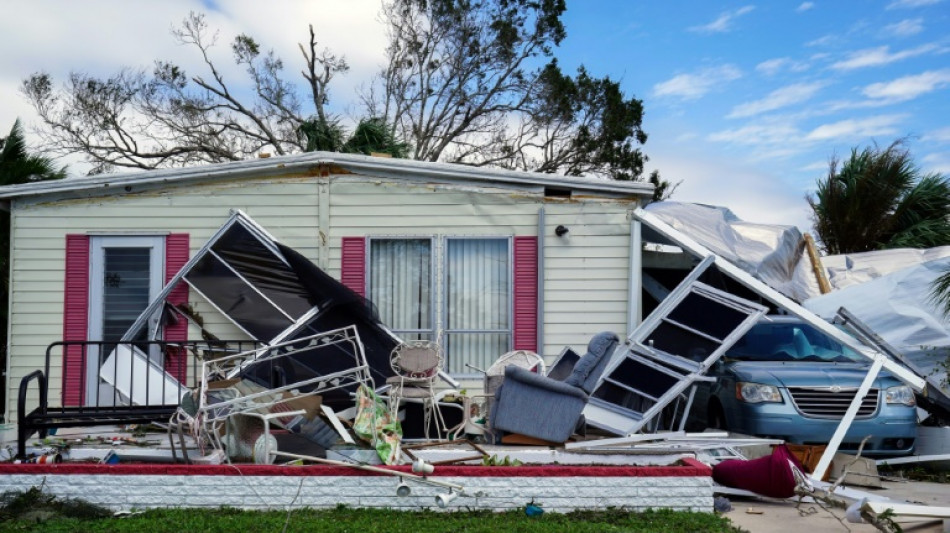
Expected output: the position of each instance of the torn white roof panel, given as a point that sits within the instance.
(897, 307)
(772, 253)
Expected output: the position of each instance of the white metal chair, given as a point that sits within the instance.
(495, 374)
(417, 365)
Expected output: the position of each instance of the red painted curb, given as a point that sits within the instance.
(691, 468)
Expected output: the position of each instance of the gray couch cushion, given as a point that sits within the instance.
(537, 406)
(588, 370)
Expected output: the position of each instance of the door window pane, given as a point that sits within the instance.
(125, 291)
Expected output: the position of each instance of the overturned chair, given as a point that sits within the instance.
(546, 408)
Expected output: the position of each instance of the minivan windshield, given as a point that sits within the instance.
(790, 341)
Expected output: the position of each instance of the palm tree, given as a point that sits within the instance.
(878, 199)
(16, 166)
(940, 294)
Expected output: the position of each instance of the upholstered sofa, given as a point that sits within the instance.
(545, 408)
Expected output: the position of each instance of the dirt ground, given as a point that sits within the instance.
(757, 516)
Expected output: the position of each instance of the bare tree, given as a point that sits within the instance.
(166, 118)
(467, 81)
(474, 81)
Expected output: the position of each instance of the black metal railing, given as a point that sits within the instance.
(112, 383)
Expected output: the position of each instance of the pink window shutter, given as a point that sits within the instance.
(353, 264)
(526, 294)
(75, 318)
(176, 255)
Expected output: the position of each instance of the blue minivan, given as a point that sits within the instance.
(786, 379)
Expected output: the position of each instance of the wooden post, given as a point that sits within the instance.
(816, 267)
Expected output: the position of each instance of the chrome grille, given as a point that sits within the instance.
(824, 402)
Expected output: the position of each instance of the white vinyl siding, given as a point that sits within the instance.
(586, 272)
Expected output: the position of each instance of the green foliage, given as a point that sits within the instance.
(321, 136)
(476, 82)
(940, 293)
(374, 135)
(878, 199)
(36, 505)
(662, 189)
(494, 460)
(18, 166)
(343, 519)
(606, 128)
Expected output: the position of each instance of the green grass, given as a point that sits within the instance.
(371, 521)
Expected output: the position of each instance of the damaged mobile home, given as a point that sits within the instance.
(322, 295)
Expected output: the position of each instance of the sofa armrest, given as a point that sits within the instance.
(530, 379)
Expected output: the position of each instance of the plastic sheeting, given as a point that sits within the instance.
(851, 269)
(897, 307)
(772, 253)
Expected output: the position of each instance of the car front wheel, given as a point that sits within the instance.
(717, 417)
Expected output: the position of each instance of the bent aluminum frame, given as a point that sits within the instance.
(878, 359)
(232, 364)
(296, 322)
(623, 403)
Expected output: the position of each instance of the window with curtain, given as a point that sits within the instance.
(473, 309)
(400, 286)
(478, 302)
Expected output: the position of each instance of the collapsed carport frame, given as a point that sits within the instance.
(272, 293)
(878, 359)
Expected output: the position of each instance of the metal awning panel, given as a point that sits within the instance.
(275, 295)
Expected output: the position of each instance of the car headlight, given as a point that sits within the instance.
(900, 394)
(757, 393)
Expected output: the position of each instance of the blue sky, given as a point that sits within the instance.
(745, 102)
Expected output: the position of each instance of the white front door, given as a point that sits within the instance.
(125, 274)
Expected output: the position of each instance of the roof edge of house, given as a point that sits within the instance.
(397, 168)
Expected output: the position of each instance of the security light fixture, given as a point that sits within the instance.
(442, 500)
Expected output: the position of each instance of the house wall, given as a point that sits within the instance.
(585, 287)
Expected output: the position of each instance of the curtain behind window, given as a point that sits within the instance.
(478, 323)
(401, 285)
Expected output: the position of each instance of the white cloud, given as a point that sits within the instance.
(767, 196)
(898, 4)
(812, 167)
(771, 67)
(908, 87)
(696, 85)
(875, 57)
(822, 41)
(777, 99)
(856, 128)
(805, 6)
(63, 35)
(904, 28)
(941, 135)
(939, 162)
(722, 24)
(765, 133)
